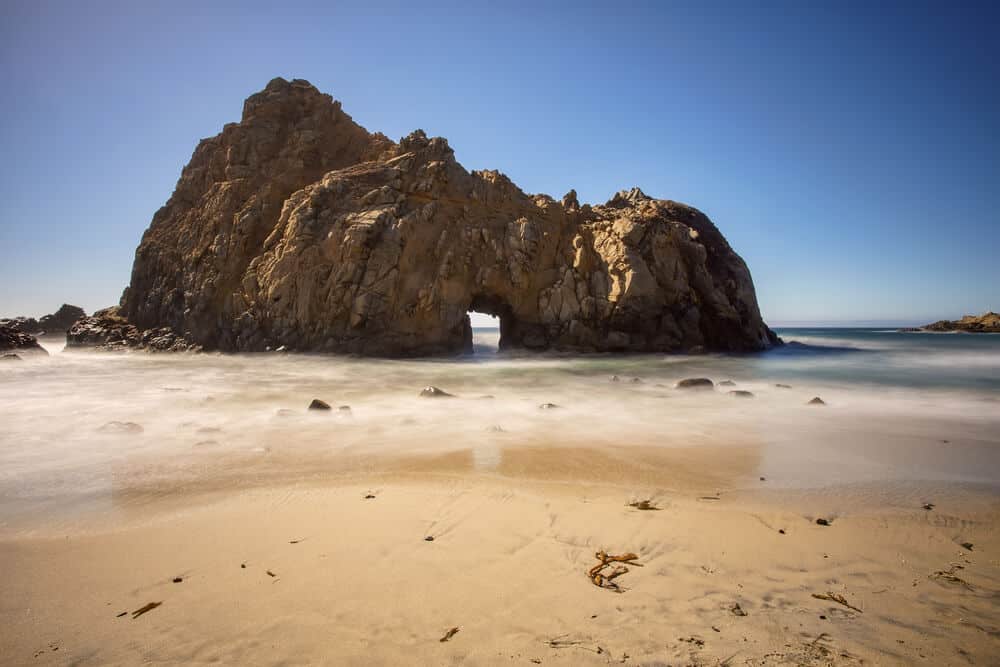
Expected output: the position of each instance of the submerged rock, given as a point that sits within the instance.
(694, 383)
(741, 393)
(816, 400)
(297, 227)
(727, 383)
(121, 427)
(15, 341)
(10, 356)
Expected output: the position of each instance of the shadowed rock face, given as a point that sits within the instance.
(297, 227)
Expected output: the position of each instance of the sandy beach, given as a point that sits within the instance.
(342, 571)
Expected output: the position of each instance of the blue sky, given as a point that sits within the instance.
(849, 152)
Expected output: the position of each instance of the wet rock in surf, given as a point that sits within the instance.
(783, 386)
(319, 405)
(741, 393)
(548, 406)
(15, 341)
(816, 400)
(10, 357)
(727, 383)
(434, 392)
(121, 427)
(694, 383)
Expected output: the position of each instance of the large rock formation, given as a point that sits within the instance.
(298, 228)
(985, 323)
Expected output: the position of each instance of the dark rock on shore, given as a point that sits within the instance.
(985, 323)
(816, 400)
(298, 227)
(694, 383)
(12, 340)
(319, 405)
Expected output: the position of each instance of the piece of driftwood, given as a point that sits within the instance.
(448, 635)
(950, 576)
(836, 597)
(149, 606)
(607, 580)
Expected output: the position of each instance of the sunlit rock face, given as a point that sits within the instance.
(296, 227)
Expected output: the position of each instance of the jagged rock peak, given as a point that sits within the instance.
(624, 198)
(296, 227)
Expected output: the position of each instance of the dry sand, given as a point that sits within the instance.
(355, 581)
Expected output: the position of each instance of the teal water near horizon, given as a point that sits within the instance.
(857, 355)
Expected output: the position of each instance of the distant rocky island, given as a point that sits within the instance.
(298, 229)
(985, 323)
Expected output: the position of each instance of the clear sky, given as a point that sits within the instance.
(850, 152)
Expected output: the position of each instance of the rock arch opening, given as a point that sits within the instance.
(489, 326)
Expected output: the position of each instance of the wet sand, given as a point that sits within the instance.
(355, 581)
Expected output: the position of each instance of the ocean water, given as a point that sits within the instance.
(900, 408)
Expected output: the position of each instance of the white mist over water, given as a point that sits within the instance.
(892, 401)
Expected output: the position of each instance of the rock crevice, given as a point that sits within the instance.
(297, 227)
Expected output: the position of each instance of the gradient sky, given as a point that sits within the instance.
(850, 152)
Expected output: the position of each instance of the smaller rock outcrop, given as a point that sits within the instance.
(56, 322)
(108, 330)
(985, 323)
(319, 405)
(62, 319)
(12, 340)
